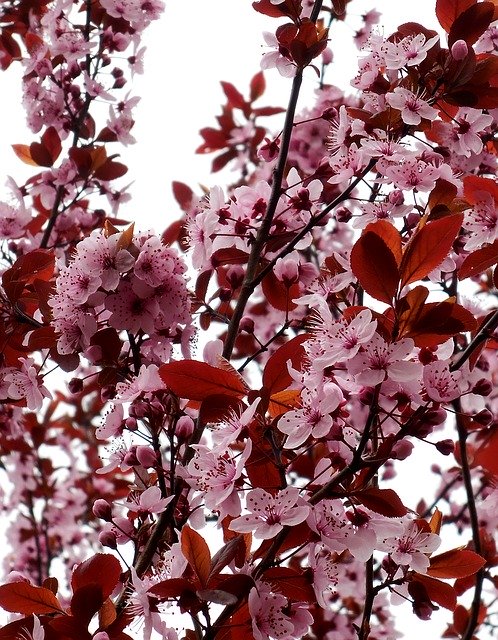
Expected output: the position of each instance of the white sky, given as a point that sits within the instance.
(194, 46)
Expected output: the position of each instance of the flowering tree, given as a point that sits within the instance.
(232, 438)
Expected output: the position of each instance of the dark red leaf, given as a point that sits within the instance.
(197, 380)
(456, 563)
(439, 592)
(276, 375)
(103, 569)
(479, 261)
(471, 23)
(258, 86)
(225, 555)
(374, 264)
(196, 550)
(235, 98)
(294, 585)
(22, 597)
(383, 501)
(428, 247)
(447, 11)
(172, 588)
(183, 195)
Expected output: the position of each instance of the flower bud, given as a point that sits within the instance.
(108, 539)
(247, 325)
(75, 385)
(446, 447)
(102, 509)
(484, 417)
(131, 424)
(184, 428)
(482, 387)
(459, 50)
(146, 456)
(108, 392)
(396, 197)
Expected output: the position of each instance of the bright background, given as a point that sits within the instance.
(195, 45)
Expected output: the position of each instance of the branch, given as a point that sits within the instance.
(249, 283)
(474, 520)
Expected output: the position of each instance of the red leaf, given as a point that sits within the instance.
(22, 597)
(292, 584)
(268, 9)
(102, 569)
(183, 195)
(172, 588)
(473, 186)
(456, 563)
(235, 98)
(478, 261)
(487, 454)
(195, 549)
(52, 143)
(225, 555)
(258, 86)
(276, 375)
(197, 380)
(278, 295)
(447, 11)
(439, 592)
(428, 247)
(374, 264)
(471, 23)
(23, 152)
(383, 501)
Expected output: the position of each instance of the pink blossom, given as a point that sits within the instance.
(131, 311)
(270, 514)
(215, 474)
(412, 174)
(412, 547)
(441, 384)
(226, 432)
(267, 615)
(337, 340)
(409, 51)
(380, 360)
(148, 501)
(314, 417)
(275, 59)
(37, 632)
(412, 107)
(25, 383)
(481, 222)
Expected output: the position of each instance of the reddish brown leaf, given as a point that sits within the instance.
(471, 23)
(383, 501)
(235, 98)
(102, 569)
(447, 11)
(283, 401)
(479, 261)
(172, 588)
(292, 584)
(197, 380)
(456, 563)
(195, 549)
(183, 195)
(276, 375)
(278, 294)
(225, 555)
(428, 247)
(23, 152)
(374, 264)
(439, 592)
(487, 454)
(22, 597)
(257, 86)
(473, 186)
